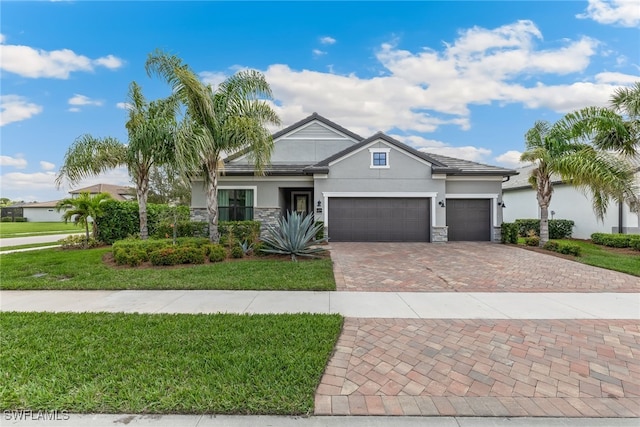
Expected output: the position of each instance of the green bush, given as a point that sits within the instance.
(259, 249)
(320, 233)
(558, 228)
(635, 244)
(237, 252)
(165, 256)
(193, 242)
(216, 253)
(532, 241)
(614, 240)
(232, 232)
(132, 257)
(78, 241)
(19, 219)
(509, 232)
(183, 229)
(569, 249)
(120, 219)
(190, 255)
(551, 246)
(6, 219)
(147, 246)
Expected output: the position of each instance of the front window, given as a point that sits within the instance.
(235, 205)
(379, 157)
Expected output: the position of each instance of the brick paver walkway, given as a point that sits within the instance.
(558, 368)
(466, 267)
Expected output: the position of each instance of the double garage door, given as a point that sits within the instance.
(404, 219)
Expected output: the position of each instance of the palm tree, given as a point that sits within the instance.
(151, 129)
(82, 208)
(559, 149)
(231, 118)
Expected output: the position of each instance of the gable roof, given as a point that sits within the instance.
(440, 164)
(321, 119)
(116, 191)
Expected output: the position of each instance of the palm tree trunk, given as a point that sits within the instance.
(212, 201)
(86, 228)
(544, 200)
(142, 191)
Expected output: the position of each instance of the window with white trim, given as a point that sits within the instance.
(379, 158)
(235, 205)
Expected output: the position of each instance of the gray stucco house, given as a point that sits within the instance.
(363, 189)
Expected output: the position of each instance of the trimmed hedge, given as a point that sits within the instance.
(235, 232)
(615, 240)
(558, 228)
(183, 229)
(134, 252)
(509, 232)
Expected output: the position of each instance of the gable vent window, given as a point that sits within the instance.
(379, 158)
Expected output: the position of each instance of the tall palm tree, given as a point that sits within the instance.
(559, 150)
(151, 132)
(82, 208)
(231, 118)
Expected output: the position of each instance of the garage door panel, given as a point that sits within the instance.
(469, 219)
(379, 219)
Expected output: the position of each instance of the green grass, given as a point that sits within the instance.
(84, 269)
(161, 363)
(601, 256)
(26, 229)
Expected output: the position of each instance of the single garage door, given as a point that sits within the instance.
(469, 219)
(378, 220)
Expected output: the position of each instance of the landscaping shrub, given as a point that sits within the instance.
(183, 229)
(78, 242)
(121, 220)
(551, 246)
(237, 252)
(615, 240)
(216, 253)
(259, 249)
(294, 235)
(532, 241)
(232, 232)
(6, 219)
(190, 255)
(20, 219)
(194, 242)
(569, 249)
(132, 257)
(320, 233)
(635, 244)
(509, 232)
(165, 256)
(558, 228)
(147, 246)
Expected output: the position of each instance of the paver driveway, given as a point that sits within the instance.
(466, 267)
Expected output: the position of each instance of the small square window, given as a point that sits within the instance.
(379, 159)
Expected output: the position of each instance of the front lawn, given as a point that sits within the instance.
(84, 269)
(25, 229)
(623, 260)
(162, 363)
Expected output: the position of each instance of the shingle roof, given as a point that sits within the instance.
(116, 191)
(467, 167)
(50, 204)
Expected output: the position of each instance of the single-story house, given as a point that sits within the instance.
(46, 211)
(363, 189)
(567, 202)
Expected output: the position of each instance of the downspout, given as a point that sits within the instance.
(620, 220)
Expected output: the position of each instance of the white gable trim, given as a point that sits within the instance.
(318, 122)
(367, 146)
(418, 195)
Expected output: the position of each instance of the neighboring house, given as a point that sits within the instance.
(118, 192)
(46, 211)
(373, 189)
(567, 202)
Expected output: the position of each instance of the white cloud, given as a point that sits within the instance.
(616, 78)
(327, 40)
(36, 63)
(47, 166)
(16, 162)
(318, 52)
(625, 13)
(14, 108)
(74, 110)
(474, 154)
(510, 159)
(213, 78)
(78, 99)
(124, 105)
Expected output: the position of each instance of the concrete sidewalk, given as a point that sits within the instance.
(30, 240)
(401, 305)
(104, 420)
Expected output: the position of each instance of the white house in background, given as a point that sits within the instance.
(46, 211)
(567, 202)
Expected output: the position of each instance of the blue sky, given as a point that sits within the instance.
(464, 79)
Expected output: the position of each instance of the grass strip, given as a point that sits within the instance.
(162, 363)
(32, 245)
(611, 259)
(84, 269)
(26, 229)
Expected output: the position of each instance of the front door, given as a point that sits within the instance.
(301, 202)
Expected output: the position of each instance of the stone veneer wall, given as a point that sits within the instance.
(497, 234)
(267, 216)
(439, 234)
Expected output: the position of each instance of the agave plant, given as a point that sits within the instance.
(294, 235)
